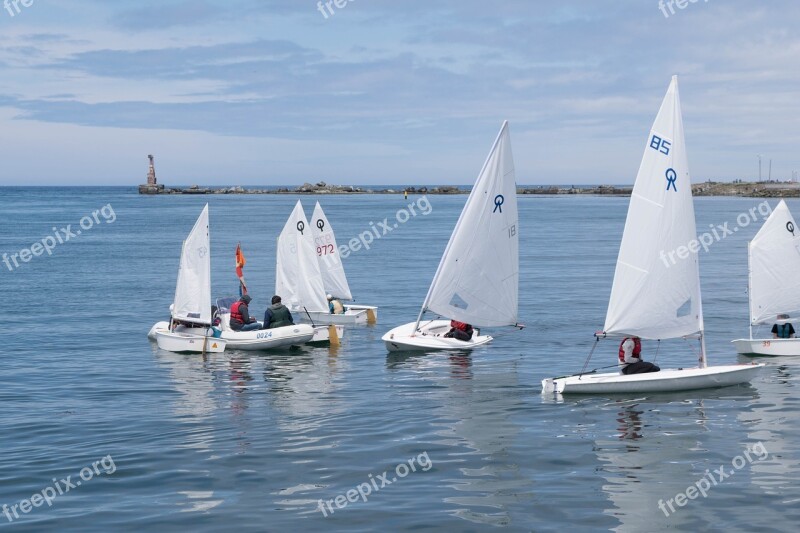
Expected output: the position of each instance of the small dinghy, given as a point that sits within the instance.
(477, 281)
(334, 280)
(298, 279)
(774, 285)
(654, 297)
(189, 328)
(260, 339)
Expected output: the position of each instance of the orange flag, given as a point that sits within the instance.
(240, 262)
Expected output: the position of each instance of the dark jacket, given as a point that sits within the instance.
(277, 316)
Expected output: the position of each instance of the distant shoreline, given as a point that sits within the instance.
(709, 188)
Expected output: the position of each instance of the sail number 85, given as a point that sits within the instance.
(660, 145)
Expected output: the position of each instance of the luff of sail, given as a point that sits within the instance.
(298, 280)
(774, 267)
(656, 295)
(477, 280)
(334, 279)
(192, 301)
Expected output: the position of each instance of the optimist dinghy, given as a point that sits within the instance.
(298, 279)
(334, 280)
(653, 297)
(774, 285)
(189, 328)
(477, 281)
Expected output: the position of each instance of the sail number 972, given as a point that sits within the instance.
(327, 249)
(660, 145)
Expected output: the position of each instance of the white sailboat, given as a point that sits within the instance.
(334, 280)
(477, 281)
(298, 279)
(651, 297)
(191, 307)
(774, 285)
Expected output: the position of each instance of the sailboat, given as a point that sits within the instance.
(651, 297)
(298, 279)
(190, 329)
(477, 281)
(334, 280)
(774, 286)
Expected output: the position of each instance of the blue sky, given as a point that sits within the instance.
(399, 92)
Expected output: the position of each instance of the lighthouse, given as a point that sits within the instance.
(152, 186)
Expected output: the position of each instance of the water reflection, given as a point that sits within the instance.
(473, 412)
(771, 422)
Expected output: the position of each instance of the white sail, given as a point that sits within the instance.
(192, 301)
(478, 277)
(298, 280)
(333, 277)
(656, 291)
(774, 267)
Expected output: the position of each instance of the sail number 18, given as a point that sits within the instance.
(512, 230)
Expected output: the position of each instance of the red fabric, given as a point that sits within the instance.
(235, 314)
(460, 326)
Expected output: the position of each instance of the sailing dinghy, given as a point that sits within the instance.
(774, 285)
(298, 279)
(334, 280)
(651, 297)
(477, 281)
(189, 329)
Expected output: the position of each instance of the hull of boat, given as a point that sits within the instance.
(430, 336)
(669, 380)
(188, 343)
(268, 339)
(767, 347)
(355, 315)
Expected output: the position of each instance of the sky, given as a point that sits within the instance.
(281, 92)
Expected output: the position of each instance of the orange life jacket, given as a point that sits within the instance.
(466, 328)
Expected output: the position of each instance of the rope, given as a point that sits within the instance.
(596, 340)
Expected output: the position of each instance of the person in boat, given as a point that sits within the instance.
(459, 330)
(240, 315)
(630, 357)
(335, 306)
(277, 315)
(783, 329)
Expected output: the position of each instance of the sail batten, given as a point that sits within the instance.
(192, 302)
(334, 279)
(656, 295)
(477, 279)
(774, 265)
(298, 280)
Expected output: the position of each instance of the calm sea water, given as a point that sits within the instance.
(254, 441)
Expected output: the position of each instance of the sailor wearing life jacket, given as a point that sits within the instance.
(459, 330)
(630, 357)
(335, 306)
(240, 316)
(783, 329)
